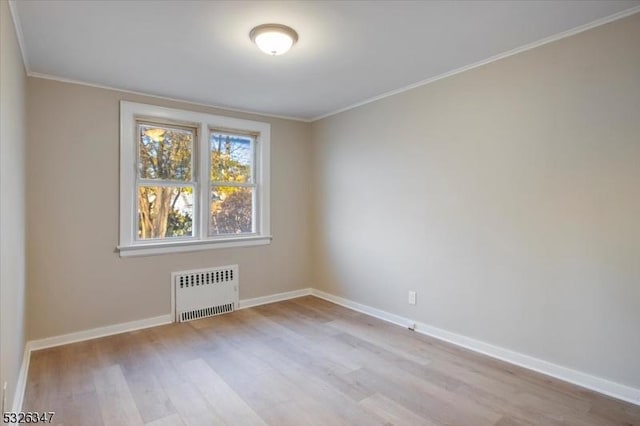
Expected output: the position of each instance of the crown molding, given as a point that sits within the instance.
(533, 45)
(18, 27)
(166, 98)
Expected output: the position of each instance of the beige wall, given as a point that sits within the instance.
(76, 279)
(12, 204)
(507, 196)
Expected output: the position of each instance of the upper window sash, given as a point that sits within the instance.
(152, 139)
(243, 156)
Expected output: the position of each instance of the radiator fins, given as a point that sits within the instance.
(206, 312)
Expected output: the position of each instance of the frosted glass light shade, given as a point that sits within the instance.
(273, 39)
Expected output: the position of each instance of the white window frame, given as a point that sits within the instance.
(129, 244)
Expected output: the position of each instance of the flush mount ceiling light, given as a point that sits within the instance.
(273, 39)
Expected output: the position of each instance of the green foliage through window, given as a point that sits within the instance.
(233, 184)
(164, 156)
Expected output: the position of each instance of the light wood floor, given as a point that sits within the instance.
(299, 362)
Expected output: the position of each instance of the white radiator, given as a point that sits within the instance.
(205, 292)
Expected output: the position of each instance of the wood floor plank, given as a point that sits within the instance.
(510, 421)
(192, 407)
(377, 358)
(250, 378)
(81, 409)
(315, 393)
(323, 368)
(326, 348)
(614, 410)
(141, 368)
(395, 344)
(291, 414)
(332, 310)
(392, 412)
(300, 362)
(495, 397)
(116, 402)
(434, 403)
(229, 407)
(301, 324)
(149, 396)
(172, 420)
(76, 373)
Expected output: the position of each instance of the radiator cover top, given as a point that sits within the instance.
(205, 292)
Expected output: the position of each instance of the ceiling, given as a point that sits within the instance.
(348, 52)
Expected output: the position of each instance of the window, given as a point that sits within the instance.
(191, 181)
(233, 186)
(165, 184)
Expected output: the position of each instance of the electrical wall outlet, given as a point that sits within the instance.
(412, 297)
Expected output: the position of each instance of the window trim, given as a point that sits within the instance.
(130, 114)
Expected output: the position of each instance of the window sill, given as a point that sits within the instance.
(151, 249)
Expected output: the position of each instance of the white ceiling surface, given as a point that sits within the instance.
(348, 51)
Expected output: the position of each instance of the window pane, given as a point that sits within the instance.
(164, 152)
(165, 212)
(231, 157)
(231, 210)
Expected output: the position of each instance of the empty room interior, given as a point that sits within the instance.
(320, 212)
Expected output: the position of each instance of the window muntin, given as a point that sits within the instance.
(232, 207)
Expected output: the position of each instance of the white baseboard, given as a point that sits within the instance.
(94, 333)
(124, 327)
(21, 383)
(588, 381)
(278, 297)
